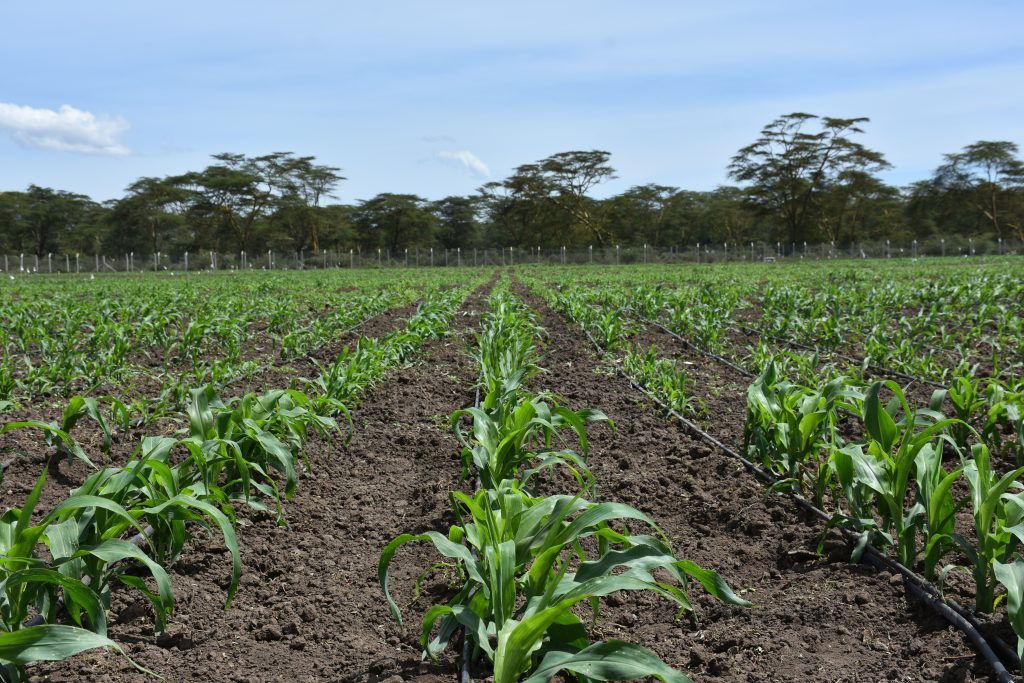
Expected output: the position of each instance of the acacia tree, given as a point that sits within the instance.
(394, 221)
(847, 206)
(990, 176)
(572, 175)
(236, 192)
(303, 185)
(41, 219)
(152, 210)
(641, 214)
(788, 165)
(458, 222)
(520, 208)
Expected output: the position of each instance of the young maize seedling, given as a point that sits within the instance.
(505, 436)
(665, 379)
(529, 570)
(998, 522)
(888, 473)
(27, 584)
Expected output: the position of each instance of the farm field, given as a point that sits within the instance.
(251, 477)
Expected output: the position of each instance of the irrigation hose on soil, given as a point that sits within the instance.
(917, 587)
(749, 330)
(850, 359)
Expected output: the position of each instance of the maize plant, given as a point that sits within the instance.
(901, 443)
(505, 349)
(244, 443)
(28, 585)
(997, 509)
(507, 436)
(1005, 413)
(666, 380)
(789, 426)
(523, 567)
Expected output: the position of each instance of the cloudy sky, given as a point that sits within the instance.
(437, 98)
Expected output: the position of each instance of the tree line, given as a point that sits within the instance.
(804, 179)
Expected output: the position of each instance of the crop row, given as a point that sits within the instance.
(897, 475)
(908, 322)
(87, 336)
(57, 574)
(523, 560)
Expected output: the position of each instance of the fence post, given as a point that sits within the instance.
(616, 254)
(431, 257)
(943, 241)
(591, 249)
(511, 261)
(458, 256)
(49, 262)
(726, 245)
(67, 263)
(78, 268)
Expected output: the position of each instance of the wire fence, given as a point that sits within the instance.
(419, 257)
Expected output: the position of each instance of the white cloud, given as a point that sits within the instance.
(65, 130)
(468, 160)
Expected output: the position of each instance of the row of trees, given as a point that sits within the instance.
(805, 179)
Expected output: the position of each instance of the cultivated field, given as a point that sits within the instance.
(733, 473)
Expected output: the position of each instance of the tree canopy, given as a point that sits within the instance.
(806, 178)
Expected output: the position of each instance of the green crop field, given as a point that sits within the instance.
(757, 471)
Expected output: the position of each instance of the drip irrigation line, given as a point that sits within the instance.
(975, 636)
(955, 614)
(850, 359)
(725, 361)
(876, 368)
(703, 352)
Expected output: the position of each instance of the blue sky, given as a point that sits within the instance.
(437, 98)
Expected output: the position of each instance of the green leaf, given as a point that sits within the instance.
(613, 660)
(52, 642)
(877, 420)
(1011, 575)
